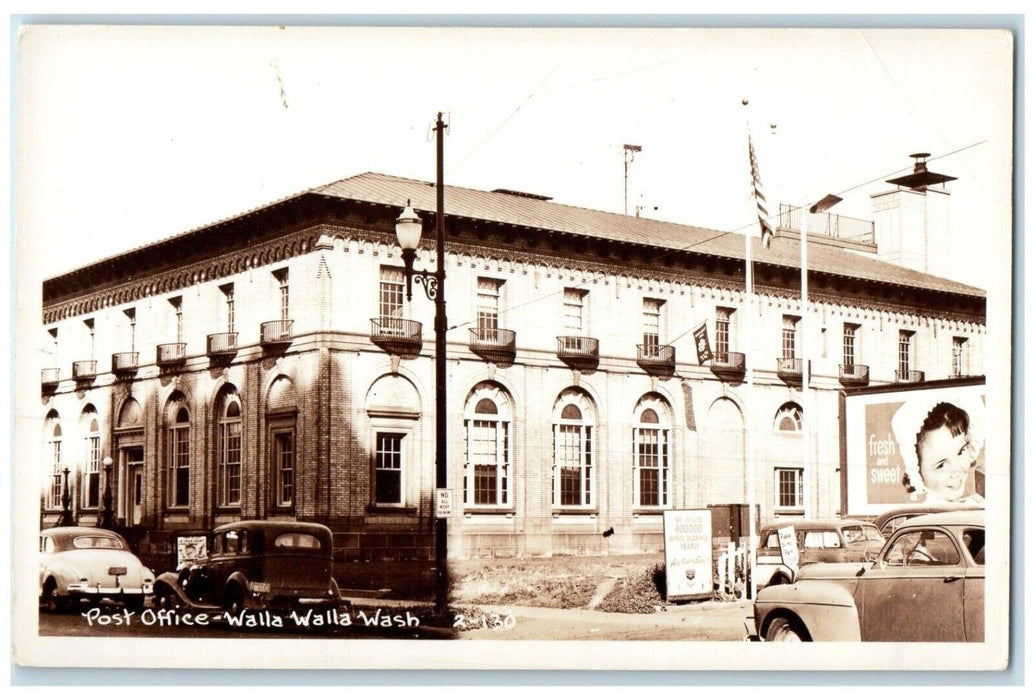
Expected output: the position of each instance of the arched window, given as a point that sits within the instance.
(229, 468)
(788, 418)
(54, 467)
(651, 446)
(178, 451)
(91, 459)
(574, 420)
(487, 419)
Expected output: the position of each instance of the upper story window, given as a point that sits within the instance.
(488, 307)
(849, 343)
(574, 312)
(652, 309)
(390, 298)
(228, 294)
(906, 341)
(284, 293)
(91, 335)
(723, 332)
(131, 316)
(789, 337)
(960, 357)
(177, 306)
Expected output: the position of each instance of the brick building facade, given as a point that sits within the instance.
(269, 366)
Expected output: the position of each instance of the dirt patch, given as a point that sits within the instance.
(562, 582)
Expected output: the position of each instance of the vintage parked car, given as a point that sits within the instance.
(256, 564)
(927, 585)
(887, 521)
(818, 541)
(90, 564)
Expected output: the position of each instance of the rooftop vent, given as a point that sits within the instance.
(921, 178)
(526, 195)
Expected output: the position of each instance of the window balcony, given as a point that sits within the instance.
(909, 376)
(221, 345)
(854, 375)
(396, 336)
(125, 363)
(275, 333)
(84, 369)
(578, 351)
(170, 354)
(50, 378)
(493, 344)
(656, 359)
(728, 365)
(789, 369)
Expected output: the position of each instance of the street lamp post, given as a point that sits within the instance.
(107, 516)
(66, 502)
(408, 229)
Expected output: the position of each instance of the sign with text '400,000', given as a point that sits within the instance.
(688, 554)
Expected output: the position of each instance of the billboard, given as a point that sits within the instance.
(688, 554)
(920, 443)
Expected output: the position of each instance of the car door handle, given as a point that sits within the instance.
(950, 579)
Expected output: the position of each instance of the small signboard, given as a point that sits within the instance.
(688, 554)
(788, 547)
(443, 503)
(189, 548)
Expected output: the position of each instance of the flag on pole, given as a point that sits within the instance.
(756, 183)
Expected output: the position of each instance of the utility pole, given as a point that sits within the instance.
(629, 154)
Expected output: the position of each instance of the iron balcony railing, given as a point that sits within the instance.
(909, 376)
(656, 358)
(171, 354)
(222, 344)
(84, 369)
(855, 374)
(577, 347)
(499, 339)
(276, 332)
(396, 335)
(50, 376)
(827, 224)
(728, 364)
(125, 361)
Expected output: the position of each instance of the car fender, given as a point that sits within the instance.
(237, 579)
(61, 572)
(826, 610)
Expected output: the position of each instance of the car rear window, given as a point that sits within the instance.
(296, 540)
(861, 533)
(96, 542)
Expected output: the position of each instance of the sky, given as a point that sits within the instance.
(130, 134)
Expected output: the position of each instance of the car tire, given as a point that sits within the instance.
(233, 600)
(51, 601)
(135, 603)
(783, 629)
(165, 598)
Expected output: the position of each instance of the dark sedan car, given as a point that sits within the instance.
(256, 564)
(927, 585)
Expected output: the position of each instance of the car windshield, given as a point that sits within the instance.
(296, 540)
(96, 542)
(862, 533)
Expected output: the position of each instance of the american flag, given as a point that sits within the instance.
(756, 183)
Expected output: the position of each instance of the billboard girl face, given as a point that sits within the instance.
(945, 452)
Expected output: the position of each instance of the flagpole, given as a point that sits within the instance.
(806, 392)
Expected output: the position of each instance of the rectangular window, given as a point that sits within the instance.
(960, 360)
(390, 299)
(92, 474)
(284, 467)
(228, 293)
(789, 338)
(723, 318)
(488, 308)
(285, 296)
(850, 334)
(651, 454)
(131, 315)
(177, 305)
(230, 463)
(56, 485)
(905, 353)
(179, 466)
(789, 489)
(574, 320)
(91, 335)
(388, 469)
(651, 325)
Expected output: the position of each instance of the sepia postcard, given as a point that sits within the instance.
(346, 347)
